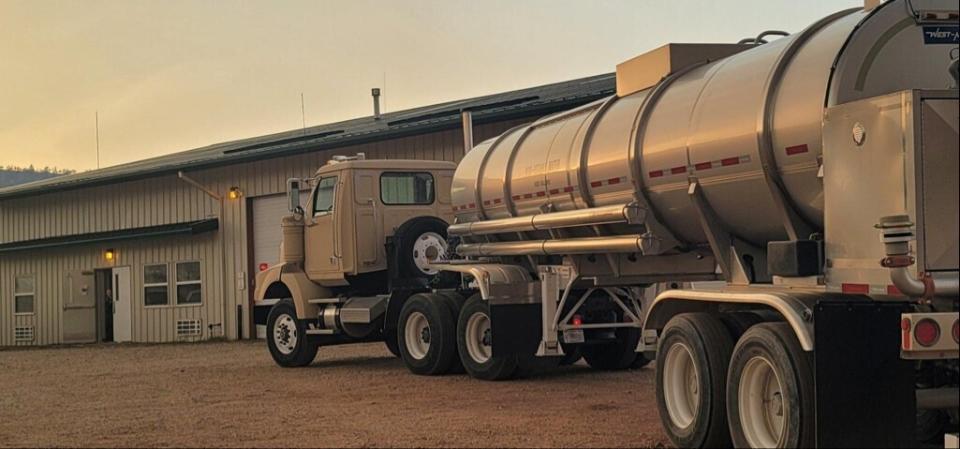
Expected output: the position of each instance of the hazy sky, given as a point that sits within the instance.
(168, 76)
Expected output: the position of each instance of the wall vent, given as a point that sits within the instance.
(189, 328)
(23, 333)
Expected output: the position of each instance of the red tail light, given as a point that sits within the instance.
(927, 332)
(577, 320)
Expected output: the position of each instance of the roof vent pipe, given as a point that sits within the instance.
(466, 117)
(376, 102)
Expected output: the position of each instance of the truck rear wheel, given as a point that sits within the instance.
(770, 393)
(475, 344)
(614, 356)
(427, 335)
(692, 359)
(454, 302)
(287, 338)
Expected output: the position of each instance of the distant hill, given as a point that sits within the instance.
(11, 176)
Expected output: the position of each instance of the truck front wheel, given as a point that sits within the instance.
(474, 340)
(287, 337)
(770, 393)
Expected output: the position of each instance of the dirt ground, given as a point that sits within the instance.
(231, 394)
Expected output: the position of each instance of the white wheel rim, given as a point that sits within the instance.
(417, 335)
(477, 336)
(762, 404)
(285, 334)
(681, 385)
(429, 248)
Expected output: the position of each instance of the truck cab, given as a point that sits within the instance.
(356, 205)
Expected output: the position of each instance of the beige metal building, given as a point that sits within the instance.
(166, 249)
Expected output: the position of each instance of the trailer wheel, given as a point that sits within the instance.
(420, 241)
(692, 359)
(475, 345)
(426, 333)
(770, 395)
(615, 356)
(287, 337)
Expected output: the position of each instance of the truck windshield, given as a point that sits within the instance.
(406, 188)
(323, 199)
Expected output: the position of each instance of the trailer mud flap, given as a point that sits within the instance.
(515, 329)
(865, 391)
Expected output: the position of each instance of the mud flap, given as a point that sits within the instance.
(515, 329)
(864, 391)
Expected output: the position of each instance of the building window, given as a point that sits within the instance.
(24, 291)
(189, 285)
(155, 285)
(323, 199)
(406, 188)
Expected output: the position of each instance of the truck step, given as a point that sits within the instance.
(320, 332)
(325, 301)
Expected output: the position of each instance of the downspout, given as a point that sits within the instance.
(223, 252)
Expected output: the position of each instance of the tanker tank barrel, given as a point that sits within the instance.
(629, 213)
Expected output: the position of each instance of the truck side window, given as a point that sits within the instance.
(323, 200)
(398, 188)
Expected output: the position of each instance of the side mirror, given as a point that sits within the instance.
(293, 194)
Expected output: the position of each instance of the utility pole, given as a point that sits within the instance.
(96, 120)
(303, 114)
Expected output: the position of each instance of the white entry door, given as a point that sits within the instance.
(122, 305)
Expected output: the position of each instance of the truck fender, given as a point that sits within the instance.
(289, 280)
(795, 308)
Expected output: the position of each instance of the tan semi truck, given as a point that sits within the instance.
(813, 176)
(357, 266)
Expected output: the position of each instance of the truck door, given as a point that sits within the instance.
(323, 257)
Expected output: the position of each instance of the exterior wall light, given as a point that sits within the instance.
(109, 254)
(234, 193)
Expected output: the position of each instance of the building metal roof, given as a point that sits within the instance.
(530, 102)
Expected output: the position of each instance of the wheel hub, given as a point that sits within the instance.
(681, 385)
(478, 337)
(429, 248)
(762, 403)
(416, 334)
(285, 334)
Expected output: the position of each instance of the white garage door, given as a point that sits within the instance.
(267, 212)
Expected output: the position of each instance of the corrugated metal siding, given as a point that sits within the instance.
(165, 200)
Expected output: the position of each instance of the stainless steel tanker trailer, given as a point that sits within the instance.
(803, 192)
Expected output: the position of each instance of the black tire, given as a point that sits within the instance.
(493, 368)
(709, 345)
(738, 322)
(406, 238)
(614, 356)
(304, 350)
(572, 353)
(777, 345)
(454, 302)
(640, 362)
(440, 332)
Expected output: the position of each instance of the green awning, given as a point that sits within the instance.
(184, 228)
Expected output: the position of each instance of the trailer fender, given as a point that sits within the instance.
(290, 281)
(796, 309)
